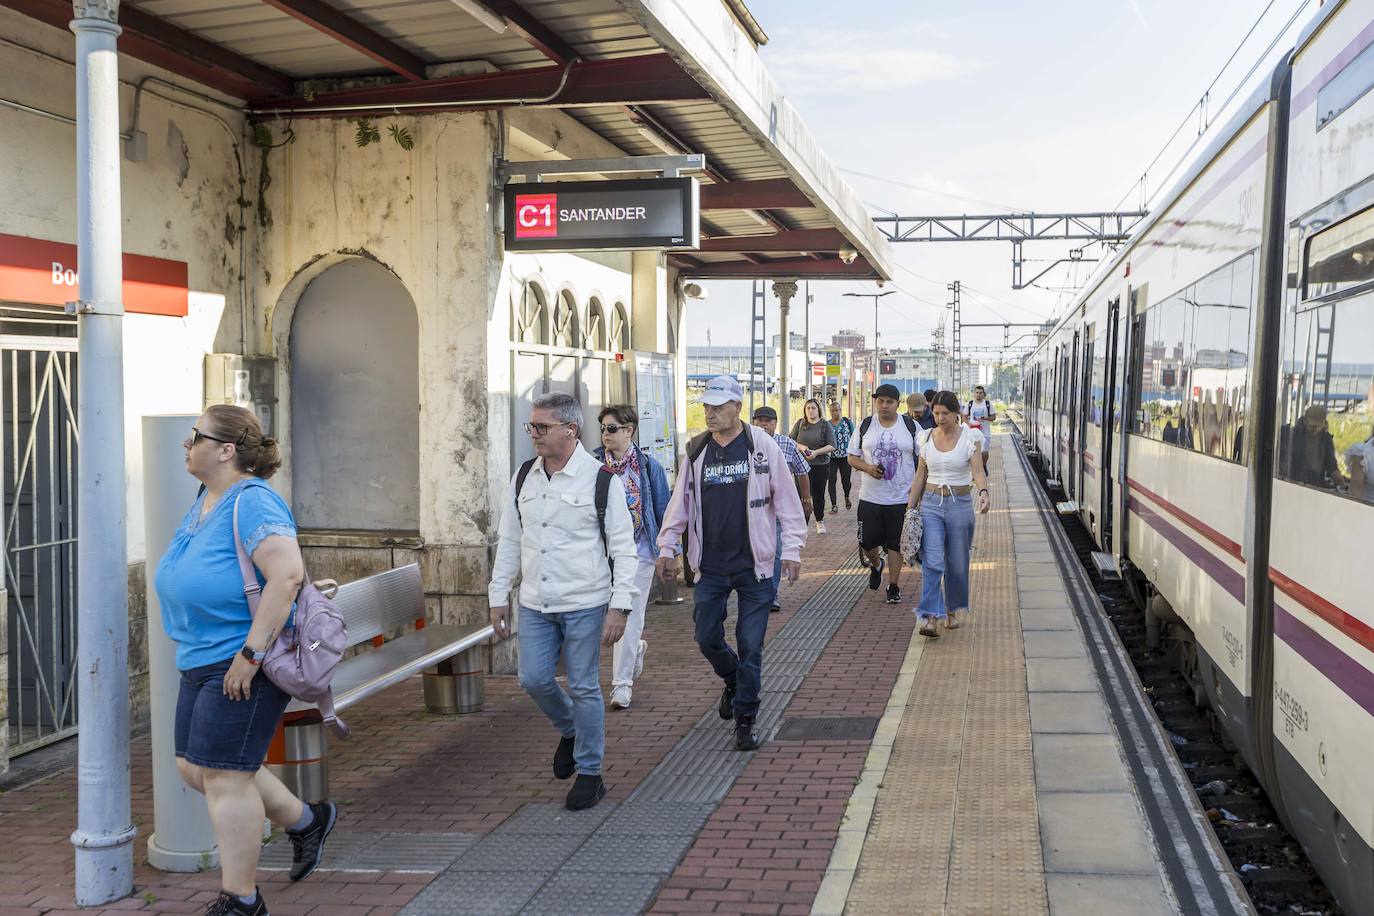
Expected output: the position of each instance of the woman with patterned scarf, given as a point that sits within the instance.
(647, 492)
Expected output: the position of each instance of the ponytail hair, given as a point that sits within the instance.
(254, 453)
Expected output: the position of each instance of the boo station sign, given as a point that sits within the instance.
(603, 215)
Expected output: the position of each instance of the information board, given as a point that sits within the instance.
(603, 215)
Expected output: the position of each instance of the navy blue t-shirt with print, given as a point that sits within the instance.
(724, 501)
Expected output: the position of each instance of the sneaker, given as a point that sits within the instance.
(227, 904)
(586, 792)
(847, 504)
(745, 739)
(639, 660)
(875, 574)
(834, 508)
(820, 527)
(563, 764)
(774, 609)
(894, 594)
(620, 697)
(307, 846)
(727, 701)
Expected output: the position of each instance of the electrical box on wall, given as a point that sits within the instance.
(247, 381)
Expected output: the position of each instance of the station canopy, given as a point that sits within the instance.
(649, 76)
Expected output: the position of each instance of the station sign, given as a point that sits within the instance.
(887, 367)
(619, 215)
(834, 362)
(41, 272)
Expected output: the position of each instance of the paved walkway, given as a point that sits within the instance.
(977, 773)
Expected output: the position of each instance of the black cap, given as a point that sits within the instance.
(887, 391)
(766, 413)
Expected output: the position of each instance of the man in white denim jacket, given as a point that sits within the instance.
(551, 538)
(733, 494)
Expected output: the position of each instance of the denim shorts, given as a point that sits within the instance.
(222, 734)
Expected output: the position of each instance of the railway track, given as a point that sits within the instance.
(1269, 861)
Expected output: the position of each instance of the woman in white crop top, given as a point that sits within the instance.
(950, 482)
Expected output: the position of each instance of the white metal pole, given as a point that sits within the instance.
(183, 839)
(806, 341)
(104, 826)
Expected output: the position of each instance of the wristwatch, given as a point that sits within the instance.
(625, 611)
(253, 656)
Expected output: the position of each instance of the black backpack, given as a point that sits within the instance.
(603, 490)
(910, 427)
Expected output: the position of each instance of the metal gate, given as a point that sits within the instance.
(38, 386)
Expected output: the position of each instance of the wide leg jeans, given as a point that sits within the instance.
(946, 541)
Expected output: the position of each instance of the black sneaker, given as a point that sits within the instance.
(875, 574)
(307, 846)
(563, 765)
(586, 792)
(727, 701)
(774, 609)
(226, 904)
(745, 739)
(894, 594)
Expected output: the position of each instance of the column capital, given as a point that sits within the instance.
(785, 290)
(107, 10)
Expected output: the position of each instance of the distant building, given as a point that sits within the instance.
(798, 341)
(848, 339)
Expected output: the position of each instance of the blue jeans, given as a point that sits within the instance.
(576, 635)
(745, 669)
(946, 539)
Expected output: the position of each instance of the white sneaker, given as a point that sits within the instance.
(620, 698)
(820, 527)
(639, 660)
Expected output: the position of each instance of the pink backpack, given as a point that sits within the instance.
(302, 659)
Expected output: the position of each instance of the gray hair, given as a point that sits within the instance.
(564, 406)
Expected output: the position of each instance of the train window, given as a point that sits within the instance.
(1340, 257)
(1345, 88)
(1326, 419)
(1194, 363)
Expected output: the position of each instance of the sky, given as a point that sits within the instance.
(988, 106)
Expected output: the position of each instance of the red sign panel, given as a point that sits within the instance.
(42, 272)
(536, 216)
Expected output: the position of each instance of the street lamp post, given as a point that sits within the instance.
(875, 297)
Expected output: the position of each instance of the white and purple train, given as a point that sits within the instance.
(1208, 405)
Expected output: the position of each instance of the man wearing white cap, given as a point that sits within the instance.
(734, 488)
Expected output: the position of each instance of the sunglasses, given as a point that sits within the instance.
(197, 435)
(542, 429)
(611, 429)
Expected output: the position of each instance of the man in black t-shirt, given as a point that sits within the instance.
(734, 494)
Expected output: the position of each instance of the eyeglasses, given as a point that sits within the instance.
(542, 429)
(197, 435)
(611, 429)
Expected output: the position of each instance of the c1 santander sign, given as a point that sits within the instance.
(603, 215)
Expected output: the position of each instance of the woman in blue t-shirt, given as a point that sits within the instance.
(227, 710)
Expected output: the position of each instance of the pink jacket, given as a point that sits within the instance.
(772, 497)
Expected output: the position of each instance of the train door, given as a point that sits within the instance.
(1070, 478)
(1083, 421)
(1111, 419)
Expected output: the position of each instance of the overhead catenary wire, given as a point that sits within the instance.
(925, 190)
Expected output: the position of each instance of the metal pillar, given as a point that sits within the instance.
(104, 832)
(758, 344)
(806, 345)
(183, 839)
(784, 290)
(955, 348)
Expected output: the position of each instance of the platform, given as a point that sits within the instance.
(983, 772)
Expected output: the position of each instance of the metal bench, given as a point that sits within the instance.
(452, 659)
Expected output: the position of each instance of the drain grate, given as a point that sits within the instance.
(831, 728)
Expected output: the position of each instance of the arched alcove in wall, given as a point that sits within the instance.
(355, 401)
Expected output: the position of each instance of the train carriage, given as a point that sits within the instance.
(1206, 406)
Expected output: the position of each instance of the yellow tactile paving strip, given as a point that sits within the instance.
(954, 827)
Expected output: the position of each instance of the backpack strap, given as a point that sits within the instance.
(915, 449)
(520, 476)
(251, 589)
(696, 446)
(602, 496)
(863, 429)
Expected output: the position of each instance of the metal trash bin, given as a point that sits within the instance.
(458, 686)
(299, 756)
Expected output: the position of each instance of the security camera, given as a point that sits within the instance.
(693, 291)
(848, 255)
(881, 282)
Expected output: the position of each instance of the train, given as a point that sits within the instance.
(1206, 405)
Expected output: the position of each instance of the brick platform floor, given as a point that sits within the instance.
(406, 771)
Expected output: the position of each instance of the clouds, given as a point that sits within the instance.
(806, 61)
